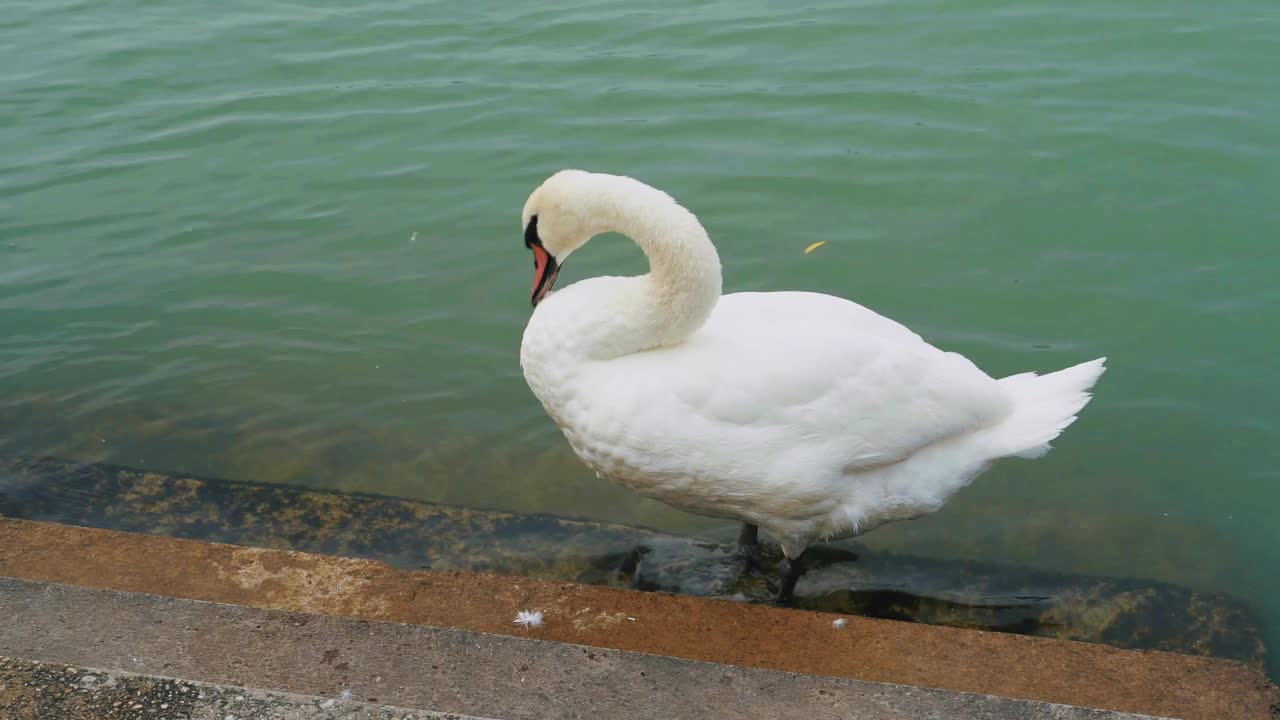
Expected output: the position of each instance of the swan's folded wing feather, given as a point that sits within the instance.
(800, 369)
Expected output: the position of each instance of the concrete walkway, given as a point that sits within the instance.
(32, 690)
(395, 668)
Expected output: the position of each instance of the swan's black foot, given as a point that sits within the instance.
(790, 570)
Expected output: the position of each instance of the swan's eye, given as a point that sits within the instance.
(531, 233)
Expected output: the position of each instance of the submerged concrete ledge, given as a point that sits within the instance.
(848, 577)
(749, 636)
(408, 666)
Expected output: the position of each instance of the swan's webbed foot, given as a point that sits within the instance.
(790, 570)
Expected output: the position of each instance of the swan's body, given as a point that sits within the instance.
(805, 414)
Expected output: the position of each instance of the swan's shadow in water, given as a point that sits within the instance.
(855, 581)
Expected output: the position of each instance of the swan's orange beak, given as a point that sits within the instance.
(545, 270)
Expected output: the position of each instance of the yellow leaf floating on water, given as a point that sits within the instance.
(814, 246)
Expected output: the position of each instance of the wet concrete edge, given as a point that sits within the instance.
(1013, 666)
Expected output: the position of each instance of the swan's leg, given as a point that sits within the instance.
(746, 556)
(748, 542)
(790, 569)
(748, 552)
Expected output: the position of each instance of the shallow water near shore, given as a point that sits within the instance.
(282, 243)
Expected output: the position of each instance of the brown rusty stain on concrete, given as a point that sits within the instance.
(1073, 673)
(304, 583)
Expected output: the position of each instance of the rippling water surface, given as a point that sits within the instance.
(281, 241)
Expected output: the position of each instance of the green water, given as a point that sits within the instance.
(283, 243)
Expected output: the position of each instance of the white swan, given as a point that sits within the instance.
(804, 414)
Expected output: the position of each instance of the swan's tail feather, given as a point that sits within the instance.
(1044, 405)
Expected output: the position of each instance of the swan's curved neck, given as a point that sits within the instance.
(667, 305)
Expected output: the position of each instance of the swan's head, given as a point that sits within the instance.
(558, 218)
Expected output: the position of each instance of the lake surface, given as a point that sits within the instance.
(282, 242)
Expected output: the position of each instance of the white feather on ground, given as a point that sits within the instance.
(528, 619)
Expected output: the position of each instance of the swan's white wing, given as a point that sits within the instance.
(784, 370)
